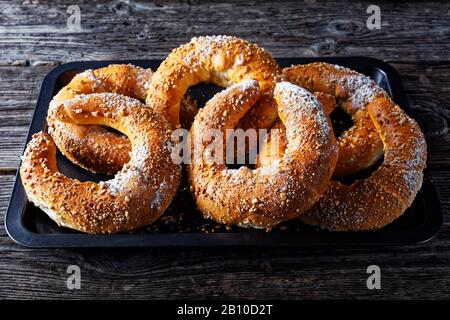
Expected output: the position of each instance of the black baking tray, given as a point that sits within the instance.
(181, 224)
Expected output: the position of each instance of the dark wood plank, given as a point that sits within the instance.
(12, 145)
(261, 274)
(6, 185)
(19, 89)
(119, 29)
(427, 86)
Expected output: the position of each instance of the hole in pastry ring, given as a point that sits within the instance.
(263, 197)
(374, 202)
(136, 196)
(223, 61)
(359, 146)
(93, 147)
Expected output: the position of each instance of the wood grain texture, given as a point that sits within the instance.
(148, 29)
(414, 38)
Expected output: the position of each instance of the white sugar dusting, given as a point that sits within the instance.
(299, 101)
(244, 85)
(114, 100)
(205, 48)
(158, 198)
(270, 169)
(123, 180)
(240, 60)
(90, 75)
(139, 156)
(247, 84)
(110, 100)
(362, 89)
(209, 42)
(156, 203)
(132, 172)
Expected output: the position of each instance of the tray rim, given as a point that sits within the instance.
(21, 235)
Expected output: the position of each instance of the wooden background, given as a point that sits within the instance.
(414, 38)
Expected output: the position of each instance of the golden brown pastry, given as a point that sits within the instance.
(91, 146)
(94, 147)
(374, 202)
(136, 196)
(270, 151)
(360, 146)
(266, 196)
(221, 60)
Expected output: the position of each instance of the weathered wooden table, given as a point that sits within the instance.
(414, 38)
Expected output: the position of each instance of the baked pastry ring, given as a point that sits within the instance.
(374, 202)
(223, 61)
(93, 147)
(359, 146)
(136, 196)
(263, 197)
